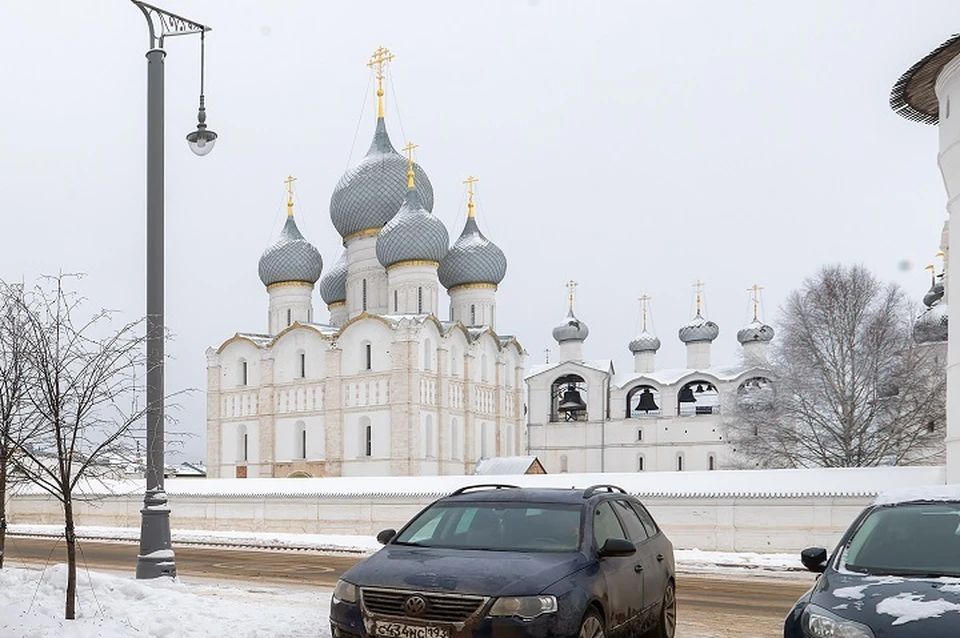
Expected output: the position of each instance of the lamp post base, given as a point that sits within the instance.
(156, 557)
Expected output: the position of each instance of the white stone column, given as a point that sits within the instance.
(266, 433)
(214, 424)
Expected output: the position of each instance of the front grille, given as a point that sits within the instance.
(451, 608)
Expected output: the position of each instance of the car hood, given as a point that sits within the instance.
(893, 606)
(485, 573)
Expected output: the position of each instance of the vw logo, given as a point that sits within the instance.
(415, 605)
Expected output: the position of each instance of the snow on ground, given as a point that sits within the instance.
(32, 606)
(690, 560)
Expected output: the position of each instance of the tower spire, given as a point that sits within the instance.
(699, 288)
(643, 310)
(289, 182)
(755, 289)
(409, 149)
(470, 181)
(571, 286)
(378, 62)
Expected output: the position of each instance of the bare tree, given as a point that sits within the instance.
(83, 398)
(850, 387)
(13, 387)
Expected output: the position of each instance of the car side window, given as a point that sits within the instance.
(606, 525)
(646, 519)
(631, 520)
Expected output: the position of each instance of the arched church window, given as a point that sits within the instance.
(303, 365)
(242, 443)
(679, 461)
(643, 401)
(567, 399)
(289, 315)
(420, 300)
(473, 315)
(300, 439)
(366, 437)
(755, 393)
(640, 463)
(309, 315)
(711, 461)
(367, 356)
(396, 301)
(363, 295)
(242, 372)
(698, 397)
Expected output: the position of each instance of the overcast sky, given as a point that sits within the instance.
(632, 146)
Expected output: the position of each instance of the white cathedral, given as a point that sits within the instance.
(384, 388)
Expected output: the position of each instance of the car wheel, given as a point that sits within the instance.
(592, 625)
(668, 613)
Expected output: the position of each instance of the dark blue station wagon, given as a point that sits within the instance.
(498, 560)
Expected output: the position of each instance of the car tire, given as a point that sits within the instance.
(667, 627)
(592, 625)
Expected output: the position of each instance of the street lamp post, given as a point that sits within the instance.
(156, 555)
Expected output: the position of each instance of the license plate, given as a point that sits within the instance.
(401, 630)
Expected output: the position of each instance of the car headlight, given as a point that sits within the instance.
(524, 606)
(820, 623)
(345, 592)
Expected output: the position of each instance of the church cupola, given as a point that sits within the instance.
(571, 333)
(471, 271)
(755, 337)
(698, 334)
(367, 197)
(410, 247)
(289, 269)
(645, 345)
(932, 324)
(333, 290)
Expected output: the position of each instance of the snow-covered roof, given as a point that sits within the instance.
(505, 465)
(671, 376)
(602, 365)
(834, 482)
(928, 493)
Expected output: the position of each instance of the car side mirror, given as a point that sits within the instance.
(617, 547)
(386, 536)
(814, 559)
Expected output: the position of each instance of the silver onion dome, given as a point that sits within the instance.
(333, 284)
(571, 329)
(699, 329)
(473, 259)
(931, 325)
(645, 342)
(370, 193)
(291, 258)
(412, 235)
(756, 330)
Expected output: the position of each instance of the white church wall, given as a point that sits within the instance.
(353, 341)
(286, 353)
(288, 443)
(366, 278)
(232, 358)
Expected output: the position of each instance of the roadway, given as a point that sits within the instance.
(709, 606)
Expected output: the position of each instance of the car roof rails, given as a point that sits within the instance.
(496, 486)
(593, 489)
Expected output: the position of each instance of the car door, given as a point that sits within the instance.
(624, 582)
(646, 556)
(658, 547)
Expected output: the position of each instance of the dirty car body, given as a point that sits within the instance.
(894, 574)
(506, 561)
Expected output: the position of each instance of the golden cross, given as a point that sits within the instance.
(699, 288)
(289, 182)
(572, 286)
(756, 288)
(379, 60)
(409, 149)
(470, 181)
(643, 309)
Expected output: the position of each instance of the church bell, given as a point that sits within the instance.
(686, 395)
(646, 402)
(571, 401)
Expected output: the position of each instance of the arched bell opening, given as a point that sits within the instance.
(643, 401)
(698, 397)
(568, 399)
(755, 393)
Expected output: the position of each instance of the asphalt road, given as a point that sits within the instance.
(708, 606)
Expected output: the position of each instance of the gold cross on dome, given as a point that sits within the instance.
(289, 182)
(572, 287)
(643, 309)
(699, 288)
(470, 181)
(755, 289)
(379, 60)
(409, 149)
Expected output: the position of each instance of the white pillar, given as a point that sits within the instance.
(948, 94)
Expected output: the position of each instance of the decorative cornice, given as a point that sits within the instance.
(414, 262)
(480, 285)
(361, 233)
(283, 284)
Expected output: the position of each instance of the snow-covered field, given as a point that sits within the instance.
(32, 604)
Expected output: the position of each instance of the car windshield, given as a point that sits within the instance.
(507, 527)
(916, 539)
